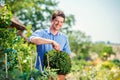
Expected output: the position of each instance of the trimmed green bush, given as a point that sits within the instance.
(58, 60)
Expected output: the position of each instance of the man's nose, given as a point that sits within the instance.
(58, 22)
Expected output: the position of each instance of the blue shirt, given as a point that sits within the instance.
(60, 38)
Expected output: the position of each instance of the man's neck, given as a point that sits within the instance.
(53, 31)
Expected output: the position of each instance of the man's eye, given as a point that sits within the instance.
(59, 21)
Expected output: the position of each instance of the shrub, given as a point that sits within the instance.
(58, 60)
(5, 16)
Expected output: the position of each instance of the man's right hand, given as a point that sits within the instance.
(56, 46)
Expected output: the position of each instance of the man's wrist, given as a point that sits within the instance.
(51, 41)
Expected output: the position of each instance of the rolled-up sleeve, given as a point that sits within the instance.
(35, 34)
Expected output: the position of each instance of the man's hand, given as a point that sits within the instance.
(56, 46)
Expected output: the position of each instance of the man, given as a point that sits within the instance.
(52, 38)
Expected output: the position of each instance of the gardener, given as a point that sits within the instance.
(52, 38)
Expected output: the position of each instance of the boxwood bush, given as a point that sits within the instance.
(58, 60)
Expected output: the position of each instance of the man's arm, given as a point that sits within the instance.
(40, 40)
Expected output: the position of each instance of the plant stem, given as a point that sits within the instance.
(19, 59)
(6, 69)
(31, 62)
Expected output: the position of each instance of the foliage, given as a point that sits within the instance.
(108, 49)
(87, 71)
(116, 61)
(69, 22)
(6, 38)
(97, 47)
(58, 60)
(80, 44)
(37, 12)
(5, 16)
(14, 52)
(17, 57)
(30, 75)
(103, 50)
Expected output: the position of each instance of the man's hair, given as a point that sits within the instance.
(57, 13)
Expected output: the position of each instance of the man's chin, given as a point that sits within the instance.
(57, 29)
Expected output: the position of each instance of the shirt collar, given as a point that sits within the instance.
(48, 31)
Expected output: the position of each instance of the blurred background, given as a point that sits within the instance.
(98, 18)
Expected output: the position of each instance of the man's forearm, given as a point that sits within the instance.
(39, 40)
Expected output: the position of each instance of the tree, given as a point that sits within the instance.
(80, 44)
(36, 12)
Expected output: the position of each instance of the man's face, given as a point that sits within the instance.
(57, 23)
